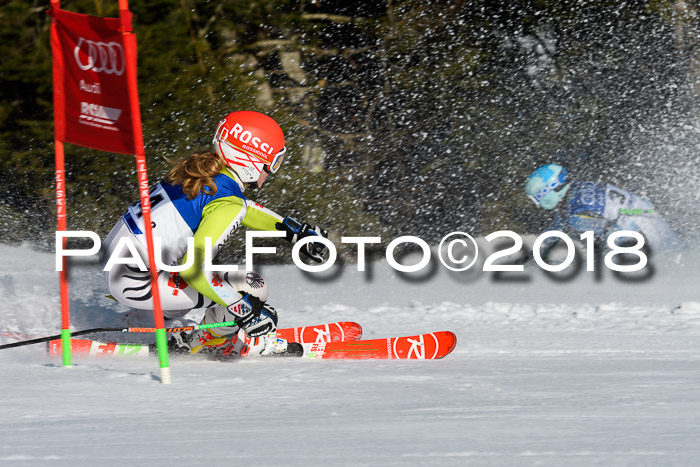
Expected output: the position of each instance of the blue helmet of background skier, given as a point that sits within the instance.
(548, 185)
(602, 208)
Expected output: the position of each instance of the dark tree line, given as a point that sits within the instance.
(402, 117)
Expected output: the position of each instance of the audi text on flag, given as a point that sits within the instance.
(91, 96)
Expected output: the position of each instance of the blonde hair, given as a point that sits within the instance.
(196, 173)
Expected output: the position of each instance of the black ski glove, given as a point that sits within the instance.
(264, 323)
(246, 309)
(295, 231)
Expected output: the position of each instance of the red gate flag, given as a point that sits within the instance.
(91, 93)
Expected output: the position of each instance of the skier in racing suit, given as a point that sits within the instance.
(201, 202)
(602, 209)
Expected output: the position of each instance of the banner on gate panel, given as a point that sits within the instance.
(91, 91)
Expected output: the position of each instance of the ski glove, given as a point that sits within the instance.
(264, 323)
(295, 231)
(254, 316)
(246, 309)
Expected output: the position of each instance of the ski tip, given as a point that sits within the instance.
(450, 340)
(446, 341)
(354, 330)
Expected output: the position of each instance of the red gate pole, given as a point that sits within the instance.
(61, 208)
(130, 51)
(63, 273)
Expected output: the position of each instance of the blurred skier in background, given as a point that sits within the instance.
(202, 200)
(585, 206)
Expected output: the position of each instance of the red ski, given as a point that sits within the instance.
(427, 346)
(314, 344)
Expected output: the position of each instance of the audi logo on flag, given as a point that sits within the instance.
(102, 57)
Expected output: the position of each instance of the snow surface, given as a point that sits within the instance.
(579, 372)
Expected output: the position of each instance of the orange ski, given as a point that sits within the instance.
(427, 346)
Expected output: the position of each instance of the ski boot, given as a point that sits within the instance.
(264, 346)
(205, 343)
(213, 347)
